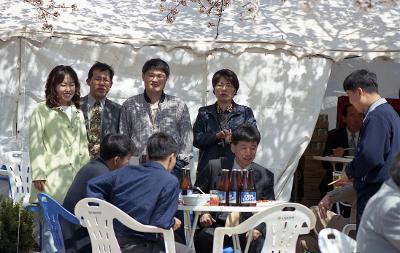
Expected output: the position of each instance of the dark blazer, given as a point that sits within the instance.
(111, 116)
(263, 178)
(76, 238)
(207, 126)
(336, 138)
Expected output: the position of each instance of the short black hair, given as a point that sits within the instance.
(102, 67)
(229, 75)
(114, 145)
(361, 78)
(246, 133)
(160, 146)
(157, 64)
(395, 170)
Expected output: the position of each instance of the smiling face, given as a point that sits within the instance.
(224, 91)
(65, 90)
(245, 152)
(100, 84)
(154, 80)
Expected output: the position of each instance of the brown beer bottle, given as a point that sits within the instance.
(248, 194)
(186, 183)
(223, 187)
(234, 188)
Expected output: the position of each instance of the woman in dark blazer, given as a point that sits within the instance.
(215, 123)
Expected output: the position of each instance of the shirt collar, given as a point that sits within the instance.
(220, 110)
(147, 99)
(92, 100)
(350, 133)
(237, 166)
(374, 105)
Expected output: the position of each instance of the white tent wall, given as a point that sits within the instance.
(284, 91)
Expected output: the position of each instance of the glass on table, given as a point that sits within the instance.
(214, 198)
(336, 176)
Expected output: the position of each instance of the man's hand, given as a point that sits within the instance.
(323, 206)
(206, 220)
(39, 185)
(338, 152)
(344, 180)
(255, 234)
(177, 224)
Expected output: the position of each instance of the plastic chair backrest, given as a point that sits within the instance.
(97, 216)
(20, 174)
(332, 241)
(51, 210)
(284, 223)
(348, 228)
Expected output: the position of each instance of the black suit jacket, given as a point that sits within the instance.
(263, 178)
(76, 237)
(336, 138)
(110, 119)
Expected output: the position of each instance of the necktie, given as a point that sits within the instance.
(352, 144)
(95, 130)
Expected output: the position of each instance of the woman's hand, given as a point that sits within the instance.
(39, 185)
(224, 134)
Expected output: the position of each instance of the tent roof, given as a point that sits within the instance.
(333, 29)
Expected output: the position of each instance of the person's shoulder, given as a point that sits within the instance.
(258, 167)
(338, 131)
(174, 99)
(112, 104)
(134, 99)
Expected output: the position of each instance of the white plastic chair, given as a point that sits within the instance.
(20, 175)
(97, 216)
(348, 228)
(284, 223)
(333, 241)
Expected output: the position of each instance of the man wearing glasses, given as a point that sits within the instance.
(101, 114)
(154, 111)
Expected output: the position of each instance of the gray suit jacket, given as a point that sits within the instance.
(110, 119)
(379, 229)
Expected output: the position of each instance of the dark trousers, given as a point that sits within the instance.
(137, 245)
(203, 242)
(362, 199)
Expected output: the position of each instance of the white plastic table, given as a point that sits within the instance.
(333, 160)
(197, 210)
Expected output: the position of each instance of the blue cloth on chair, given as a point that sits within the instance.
(51, 210)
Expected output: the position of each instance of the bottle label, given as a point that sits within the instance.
(248, 197)
(222, 197)
(232, 198)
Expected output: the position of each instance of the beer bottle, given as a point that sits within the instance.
(248, 194)
(223, 187)
(186, 183)
(234, 188)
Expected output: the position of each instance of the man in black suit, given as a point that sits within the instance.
(115, 152)
(338, 140)
(96, 105)
(244, 145)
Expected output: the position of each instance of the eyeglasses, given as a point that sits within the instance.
(227, 86)
(153, 76)
(104, 80)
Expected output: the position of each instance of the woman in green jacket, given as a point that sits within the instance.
(58, 145)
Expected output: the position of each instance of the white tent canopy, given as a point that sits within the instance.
(283, 61)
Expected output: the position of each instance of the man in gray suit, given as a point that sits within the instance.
(101, 114)
(379, 229)
(115, 152)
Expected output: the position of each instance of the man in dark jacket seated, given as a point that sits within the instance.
(244, 145)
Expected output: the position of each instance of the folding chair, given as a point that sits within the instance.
(51, 210)
(333, 241)
(284, 223)
(97, 216)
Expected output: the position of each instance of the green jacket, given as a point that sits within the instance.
(58, 148)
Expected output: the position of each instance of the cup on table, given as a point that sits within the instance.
(214, 199)
(336, 176)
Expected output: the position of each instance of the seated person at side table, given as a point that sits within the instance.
(244, 145)
(338, 140)
(115, 152)
(148, 193)
(379, 230)
(329, 219)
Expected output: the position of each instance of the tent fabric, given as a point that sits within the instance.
(277, 86)
(332, 29)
